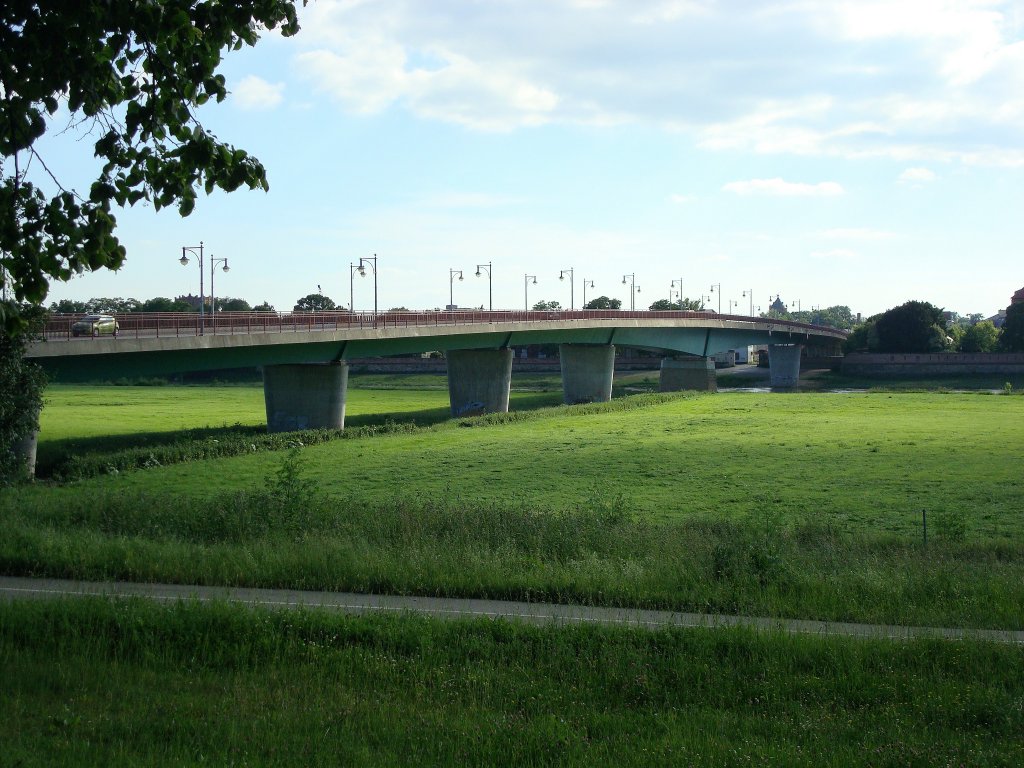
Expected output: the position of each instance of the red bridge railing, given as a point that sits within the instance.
(173, 324)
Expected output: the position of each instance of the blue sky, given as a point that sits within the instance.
(861, 153)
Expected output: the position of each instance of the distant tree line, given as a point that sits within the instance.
(157, 304)
(918, 326)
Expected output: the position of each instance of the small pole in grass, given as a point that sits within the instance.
(924, 525)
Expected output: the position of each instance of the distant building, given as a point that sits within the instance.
(193, 301)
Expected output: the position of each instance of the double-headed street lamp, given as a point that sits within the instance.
(372, 261)
(526, 290)
(678, 282)
(585, 284)
(197, 251)
(451, 285)
(634, 289)
(719, 287)
(572, 286)
(213, 264)
(490, 284)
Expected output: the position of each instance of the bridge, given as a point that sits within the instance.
(304, 355)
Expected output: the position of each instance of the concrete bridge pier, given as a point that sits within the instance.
(305, 396)
(479, 380)
(695, 373)
(587, 372)
(784, 364)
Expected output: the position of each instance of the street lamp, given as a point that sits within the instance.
(526, 290)
(197, 251)
(585, 283)
(678, 282)
(213, 264)
(750, 292)
(733, 303)
(372, 261)
(451, 284)
(572, 286)
(632, 289)
(490, 284)
(352, 269)
(719, 287)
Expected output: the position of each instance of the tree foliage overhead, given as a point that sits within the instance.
(131, 73)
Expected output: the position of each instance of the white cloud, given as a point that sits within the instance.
(781, 188)
(256, 93)
(913, 80)
(917, 176)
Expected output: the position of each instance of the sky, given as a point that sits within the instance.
(857, 153)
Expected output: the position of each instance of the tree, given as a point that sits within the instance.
(603, 302)
(664, 305)
(314, 302)
(233, 305)
(68, 307)
(132, 74)
(980, 337)
(916, 326)
(266, 306)
(163, 304)
(1011, 339)
(542, 306)
(21, 396)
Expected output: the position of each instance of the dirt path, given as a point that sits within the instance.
(15, 588)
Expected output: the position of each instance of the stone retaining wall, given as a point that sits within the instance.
(864, 364)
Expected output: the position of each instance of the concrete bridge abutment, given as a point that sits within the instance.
(784, 364)
(479, 380)
(697, 374)
(587, 372)
(305, 396)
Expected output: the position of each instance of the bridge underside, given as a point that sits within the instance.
(131, 358)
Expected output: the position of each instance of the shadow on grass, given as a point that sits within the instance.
(54, 455)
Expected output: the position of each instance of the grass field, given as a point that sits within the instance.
(95, 683)
(804, 506)
(798, 505)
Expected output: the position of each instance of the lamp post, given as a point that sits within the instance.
(490, 284)
(719, 287)
(797, 302)
(197, 251)
(585, 283)
(213, 264)
(678, 282)
(704, 299)
(526, 290)
(451, 284)
(372, 261)
(572, 286)
(750, 292)
(632, 287)
(733, 303)
(351, 286)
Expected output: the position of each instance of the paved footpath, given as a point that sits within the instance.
(15, 588)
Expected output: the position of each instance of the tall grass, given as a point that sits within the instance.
(100, 683)
(289, 534)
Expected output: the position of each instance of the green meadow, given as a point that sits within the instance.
(883, 506)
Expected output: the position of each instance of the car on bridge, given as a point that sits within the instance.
(95, 325)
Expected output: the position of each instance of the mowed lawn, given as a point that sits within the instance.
(867, 461)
